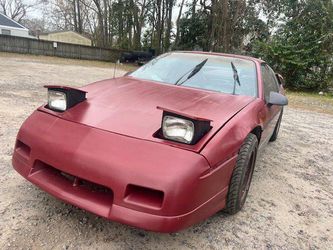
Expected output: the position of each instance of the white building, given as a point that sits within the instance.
(11, 28)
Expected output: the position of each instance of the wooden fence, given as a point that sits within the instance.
(48, 48)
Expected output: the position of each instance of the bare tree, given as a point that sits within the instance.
(16, 9)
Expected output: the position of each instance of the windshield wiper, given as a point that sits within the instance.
(236, 77)
(193, 71)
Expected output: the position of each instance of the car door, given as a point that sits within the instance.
(270, 113)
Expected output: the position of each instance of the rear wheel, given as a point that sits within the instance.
(277, 128)
(242, 175)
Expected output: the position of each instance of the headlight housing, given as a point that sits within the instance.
(62, 98)
(182, 128)
(178, 129)
(56, 100)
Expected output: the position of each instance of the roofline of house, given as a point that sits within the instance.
(63, 31)
(22, 27)
(13, 28)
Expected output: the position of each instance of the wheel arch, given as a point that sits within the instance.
(227, 143)
(257, 131)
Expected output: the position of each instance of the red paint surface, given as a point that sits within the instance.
(128, 106)
(108, 140)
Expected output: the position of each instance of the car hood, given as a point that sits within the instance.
(128, 106)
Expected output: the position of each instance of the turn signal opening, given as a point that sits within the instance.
(22, 149)
(143, 196)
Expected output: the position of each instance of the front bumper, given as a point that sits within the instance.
(148, 185)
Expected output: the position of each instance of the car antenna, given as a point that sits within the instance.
(236, 77)
(115, 68)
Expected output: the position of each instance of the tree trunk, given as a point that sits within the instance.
(213, 23)
(75, 16)
(100, 34)
(169, 6)
(194, 4)
(225, 18)
(137, 28)
(79, 19)
(158, 27)
(178, 23)
(105, 24)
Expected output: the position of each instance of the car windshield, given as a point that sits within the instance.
(218, 73)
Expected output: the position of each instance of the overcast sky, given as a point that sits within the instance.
(37, 12)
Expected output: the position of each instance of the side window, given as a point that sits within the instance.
(270, 81)
(280, 79)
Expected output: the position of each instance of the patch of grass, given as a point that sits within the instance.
(311, 101)
(67, 61)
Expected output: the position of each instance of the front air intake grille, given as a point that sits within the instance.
(73, 180)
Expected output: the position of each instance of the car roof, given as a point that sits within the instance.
(223, 54)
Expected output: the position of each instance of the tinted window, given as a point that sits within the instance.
(270, 81)
(217, 73)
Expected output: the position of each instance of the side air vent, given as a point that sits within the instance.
(144, 197)
(22, 149)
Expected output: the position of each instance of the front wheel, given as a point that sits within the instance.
(242, 175)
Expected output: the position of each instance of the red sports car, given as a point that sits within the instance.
(161, 148)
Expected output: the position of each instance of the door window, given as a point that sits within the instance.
(269, 79)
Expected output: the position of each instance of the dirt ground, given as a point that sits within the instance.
(290, 204)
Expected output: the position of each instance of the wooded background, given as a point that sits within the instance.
(294, 36)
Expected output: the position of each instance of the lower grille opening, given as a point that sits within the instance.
(73, 180)
(93, 187)
(143, 196)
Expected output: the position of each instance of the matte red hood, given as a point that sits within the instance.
(128, 106)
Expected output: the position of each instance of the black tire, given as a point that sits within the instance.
(242, 175)
(277, 128)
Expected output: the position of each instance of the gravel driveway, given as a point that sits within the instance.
(290, 204)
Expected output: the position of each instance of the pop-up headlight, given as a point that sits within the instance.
(62, 98)
(56, 100)
(180, 128)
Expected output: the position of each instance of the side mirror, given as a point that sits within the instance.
(277, 99)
